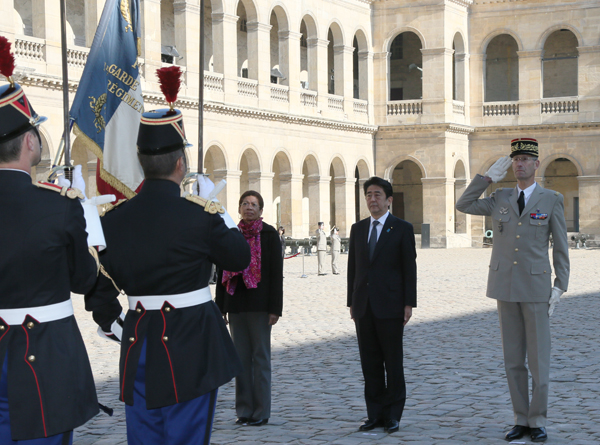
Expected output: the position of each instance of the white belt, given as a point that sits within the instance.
(42, 314)
(156, 302)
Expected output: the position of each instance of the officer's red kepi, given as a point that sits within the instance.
(161, 131)
(16, 113)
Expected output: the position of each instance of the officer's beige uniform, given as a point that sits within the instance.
(321, 249)
(336, 244)
(520, 280)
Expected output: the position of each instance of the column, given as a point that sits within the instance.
(461, 219)
(230, 195)
(289, 60)
(93, 11)
(347, 91)
(589, 69)
(530, 86)
(259, 59)
(296, 195)
(317, 69)
(324, 201)
(476, 89)
(7, 21)
(46, 25)
(151, 36)
(438, 208)
(362, 202)
(187, 42)
(380, 86)
(265, 188)
(225, 51)
(589, 204)
(437, 84)
(350, 215)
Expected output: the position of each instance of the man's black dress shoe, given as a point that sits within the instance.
(391, 426)
(517, 432)
(370, 424)
(539, 434)
(241, 420)
(258, 422)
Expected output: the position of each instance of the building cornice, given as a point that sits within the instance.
(539, 127)
(425, 128)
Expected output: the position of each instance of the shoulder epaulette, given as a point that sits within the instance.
(209, 206)
(72, 193)
(110, 207)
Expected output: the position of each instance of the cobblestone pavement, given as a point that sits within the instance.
(456, 386)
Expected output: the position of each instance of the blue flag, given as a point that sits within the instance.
(108, 104)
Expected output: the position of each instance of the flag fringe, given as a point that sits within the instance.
(111, 180)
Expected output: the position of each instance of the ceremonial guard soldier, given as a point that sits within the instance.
(175, 349)
(46, 383)
(321, 248)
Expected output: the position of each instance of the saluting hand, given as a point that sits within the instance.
(498, 170)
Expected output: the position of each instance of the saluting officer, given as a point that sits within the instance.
(321, 248)
(175, 349)
(524, 217)
(46, 383)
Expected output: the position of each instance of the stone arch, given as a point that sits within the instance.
(215, 166)
(337, 194)
(560, 175)
(251, 9)
(279, 48)
(397, 160)
(281, 166)
(360, 65)
(387, 43)
(308, 52)
(459, 70)
(551, 30)
(501, 69)
(486, 41)
(76, 20)
(249, 165)
(405, 67)
(560, 64)
(407, 204)
(335, 59)
(23, 17)
(311, 196)
(549, 159)
(216, 6)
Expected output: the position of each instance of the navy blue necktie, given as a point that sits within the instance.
(521, 202)
(373, 240)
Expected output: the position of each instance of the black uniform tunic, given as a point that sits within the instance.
(161, 244)
(43, 257)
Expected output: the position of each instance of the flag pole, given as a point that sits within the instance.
(65, 78)
(201, 94)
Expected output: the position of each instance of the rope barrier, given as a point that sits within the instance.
(288, 257)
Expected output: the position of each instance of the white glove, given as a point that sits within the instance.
(116, 330)
(554, 299)
(78, 182)
(497, 171)
(203, 186)
(93, 227)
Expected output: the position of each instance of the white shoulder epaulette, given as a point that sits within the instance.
(209, 206)
(71, 193)
(110, 207)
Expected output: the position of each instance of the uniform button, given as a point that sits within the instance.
(138, 310)
(1, 328)
(518, 236)
(539, 224)
(30, 325)
(515, 263)
(167, 309)
(519, 224)
(31, 358)
(544, 271)
(165, 338)
(131, 339)
(516, 250)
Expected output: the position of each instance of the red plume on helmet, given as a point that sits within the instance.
(7, 60)
(169, 79)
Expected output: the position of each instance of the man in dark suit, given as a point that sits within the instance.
(382, 290)
(46, 383)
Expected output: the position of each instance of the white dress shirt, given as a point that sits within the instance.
(379, 227)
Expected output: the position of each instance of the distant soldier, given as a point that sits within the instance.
(176, 350)
(336, 244)
(46, 383)
(321, 247)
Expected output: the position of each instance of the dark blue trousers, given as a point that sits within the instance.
(180, 424)
(5, 434)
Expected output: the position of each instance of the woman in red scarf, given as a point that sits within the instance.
(253, 300)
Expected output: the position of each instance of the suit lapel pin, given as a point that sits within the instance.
(389, 229)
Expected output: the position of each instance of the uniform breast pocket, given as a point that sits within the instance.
(540, 227)
(499, 222)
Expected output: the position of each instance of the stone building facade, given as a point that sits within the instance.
(306, 99)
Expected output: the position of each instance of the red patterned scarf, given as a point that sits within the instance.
(251, 274)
